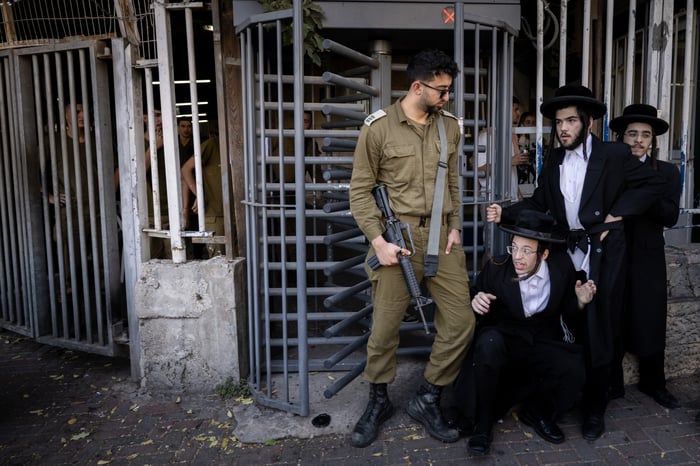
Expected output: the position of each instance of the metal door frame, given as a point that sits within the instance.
(279, 309)
(45, 300)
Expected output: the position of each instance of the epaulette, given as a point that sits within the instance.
(374, 117)
(448, 114)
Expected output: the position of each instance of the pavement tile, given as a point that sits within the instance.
(59, 406)
(671, 457)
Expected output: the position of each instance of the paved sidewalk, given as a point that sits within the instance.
(64, 407)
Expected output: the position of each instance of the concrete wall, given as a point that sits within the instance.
(683, 321)
(192, 319)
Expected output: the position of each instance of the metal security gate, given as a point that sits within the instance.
(309, 298)
(60, 279)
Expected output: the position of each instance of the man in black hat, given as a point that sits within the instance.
(523, 351)
(589, 187)
(644, 314)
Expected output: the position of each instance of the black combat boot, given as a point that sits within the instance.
(378, 410)
(425, 408)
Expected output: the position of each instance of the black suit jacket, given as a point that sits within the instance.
(506, 311)
(645, 306)
(615, 183)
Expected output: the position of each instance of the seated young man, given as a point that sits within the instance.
(523, 351)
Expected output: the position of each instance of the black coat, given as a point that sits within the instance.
(645, 306)
(541, 366)
(615, 183)
(506, 312)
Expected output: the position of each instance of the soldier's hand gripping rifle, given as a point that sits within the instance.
(394, 234)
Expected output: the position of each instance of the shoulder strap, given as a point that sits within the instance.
(431, 258)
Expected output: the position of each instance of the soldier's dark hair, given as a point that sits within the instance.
(427, 64)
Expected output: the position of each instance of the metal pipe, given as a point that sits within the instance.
(346, 293)
(341, 236)
(629, 62)
(343, 112)
(539, 79)
(334, 329)
(563, 31)
(65, 171)
(6, 203)
(607, 72)
(345, 351)
(337, 174)
(342, 265)
(687, 165)
(331, 207)
(153, 150)
(170, 142)
(333, 78)
(586, 47)
(192, 72)
(301, 226)
(48, 242)
(347, 52)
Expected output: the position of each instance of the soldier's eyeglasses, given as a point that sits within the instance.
(442, 91)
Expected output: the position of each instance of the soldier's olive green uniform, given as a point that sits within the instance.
(404, 156)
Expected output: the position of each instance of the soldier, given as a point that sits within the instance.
(400, 147)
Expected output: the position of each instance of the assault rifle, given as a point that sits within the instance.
(394, 234)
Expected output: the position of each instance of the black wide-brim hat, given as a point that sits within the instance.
(534, 225)
(580, 96)
(639, 113)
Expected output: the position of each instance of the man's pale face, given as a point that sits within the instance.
(79, 116)
(638, 136)
(529, 121)
(569, 128)
(184, 128)
(157, 117)
(515, 117)
(524, 254)
(435, 94)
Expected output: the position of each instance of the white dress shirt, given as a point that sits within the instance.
(572, 174)
(534, 291)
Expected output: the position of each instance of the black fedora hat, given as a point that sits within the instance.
(534, 225)
(639, 113)
(567, 96)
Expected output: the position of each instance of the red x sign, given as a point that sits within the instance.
(448, 15)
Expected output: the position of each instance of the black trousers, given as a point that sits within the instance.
(503, 369)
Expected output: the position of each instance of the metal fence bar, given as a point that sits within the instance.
(629, 61)
(60, 253)
(607, 72)
(5, 260)
(687, 163)
(43, 166)
(586, 46)
(192, 71)
(70, 217)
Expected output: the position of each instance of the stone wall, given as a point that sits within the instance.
(192, 324)
(683, 321)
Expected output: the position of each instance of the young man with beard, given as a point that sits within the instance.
(589, 187)
(400, 147)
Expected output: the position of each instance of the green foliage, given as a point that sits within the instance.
(229, 389)
(313, 23)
